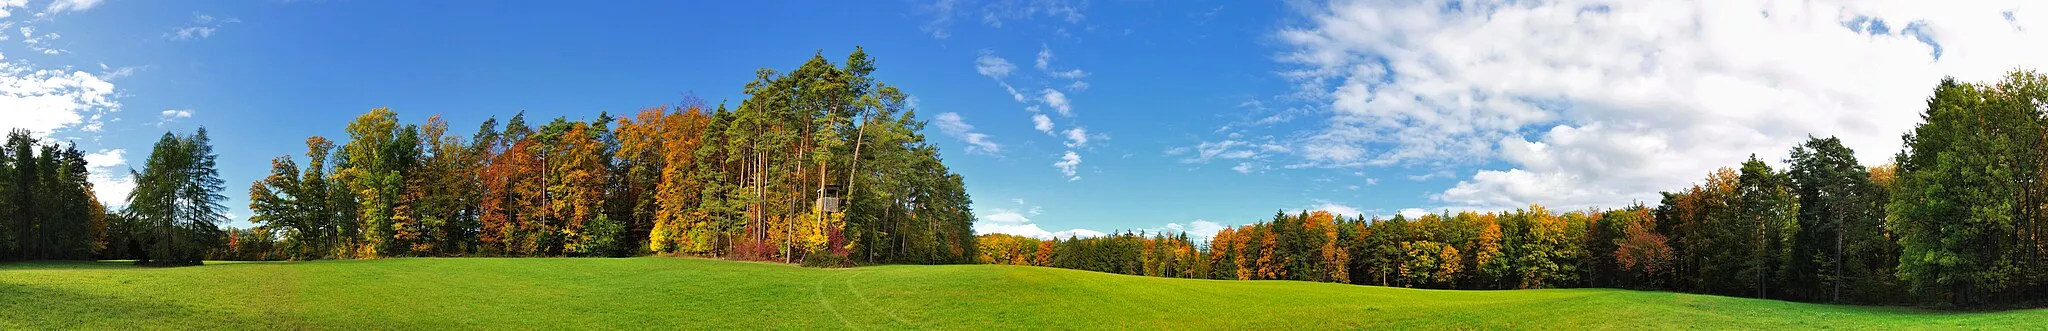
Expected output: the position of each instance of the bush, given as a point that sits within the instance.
(827, 259)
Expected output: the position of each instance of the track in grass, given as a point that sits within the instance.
(667, 293)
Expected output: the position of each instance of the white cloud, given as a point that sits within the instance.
(995, 13)
(993, 66)
(42, 43)
(1013, 222)
(1335, 208)
(952, 125)
(1432, 175)
(1044, 63)
(110, 180)
(1078, 86)
(46, 100)
(1245, 167)
(1078, 233)
(1597, 103)
(1019, 96)
(7, 7)
(71, 5)
(190, 32)
(1042, 123)
(1228, 150)
(1069, 165)
(1044, 59)
(942, 13)
(1198, 230)
(1006, 217)
(172, 115)
(1077, 137)
(201, 27)
(1070, 74)
(1056, 100)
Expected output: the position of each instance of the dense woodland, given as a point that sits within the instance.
(822, 165)
(1955, 218)
(51, 213)
(747, 183)
(47, 209)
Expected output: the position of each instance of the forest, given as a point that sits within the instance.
(50, 211)
(1953, 219)
(821, 165)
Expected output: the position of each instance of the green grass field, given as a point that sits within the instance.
(670, 293)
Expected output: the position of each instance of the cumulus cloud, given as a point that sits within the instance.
(1056, 100)
(1077, 137)
(1334, 208)
(1198, 230)
(7, 7)
(110, 180)
(1015, 222)
(1598, 103)
(1069, 165)
(977, 143)
(45, 100)
(1042, 123)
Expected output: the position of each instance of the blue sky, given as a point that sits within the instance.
(1190, 114)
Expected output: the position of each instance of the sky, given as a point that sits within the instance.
(1065, 117)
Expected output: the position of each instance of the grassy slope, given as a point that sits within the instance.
(669, 293)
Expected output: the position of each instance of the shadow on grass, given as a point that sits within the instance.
(112, 265)
(1887, 308)
(59, 308)
(62, 265)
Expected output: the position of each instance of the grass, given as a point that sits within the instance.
(672, 293)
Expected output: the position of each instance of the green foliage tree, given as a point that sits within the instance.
(1768, 212)
(1840, 223)
(177, 199)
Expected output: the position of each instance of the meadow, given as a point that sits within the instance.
(670, 293)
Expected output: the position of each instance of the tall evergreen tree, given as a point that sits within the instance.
(1836, 216)
(24, 189)
(177, 199)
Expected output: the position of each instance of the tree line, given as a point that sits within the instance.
(51, 213)
(822, 165)
(1954, 218)
(47, 206)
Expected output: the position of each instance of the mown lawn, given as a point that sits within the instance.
(671, 293)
